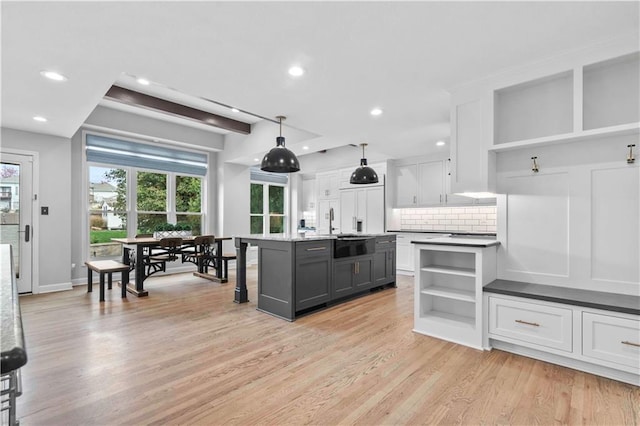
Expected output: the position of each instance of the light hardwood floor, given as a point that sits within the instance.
(188, 355)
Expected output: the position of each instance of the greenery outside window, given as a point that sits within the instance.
(267, 208)
(107, 210)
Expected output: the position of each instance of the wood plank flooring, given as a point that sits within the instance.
(188, 355)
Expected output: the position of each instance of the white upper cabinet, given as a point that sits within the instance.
(309, 194)
(425, 182)
(406, 185)
(327, 184)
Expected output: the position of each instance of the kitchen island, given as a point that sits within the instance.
(298, 274)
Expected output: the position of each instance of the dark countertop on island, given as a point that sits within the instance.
(458, 241)
(624, 303)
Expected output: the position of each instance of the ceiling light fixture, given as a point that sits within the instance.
(52, 75)
(280, 159)
(296, 71)
(143, 81)
(40, 119)
(305, 147)
(376, 111)
(235, 110)
(364, 174)
(440, 143)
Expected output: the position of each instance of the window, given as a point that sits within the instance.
(135, 187)
(267, 208)
(107, 210)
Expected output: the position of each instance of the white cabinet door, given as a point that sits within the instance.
(327, 185)
(348, 211)
(373, 202)
(406, 185)
(324, 206)
(309, 194)
(468, 153)
(458, 200)
(431, 183)
(366, 205)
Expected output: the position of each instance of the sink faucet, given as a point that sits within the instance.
(331, 218)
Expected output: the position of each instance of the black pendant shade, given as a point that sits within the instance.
(364, 174)
(280, 159)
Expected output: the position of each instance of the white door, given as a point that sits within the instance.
(16, 200)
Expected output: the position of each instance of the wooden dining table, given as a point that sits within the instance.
(138, 245)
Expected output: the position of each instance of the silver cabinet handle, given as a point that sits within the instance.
(626, 342)
(316, 248)
(528, 323)
(415, 199)
(353, 225)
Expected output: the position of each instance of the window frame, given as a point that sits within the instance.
(266, 214)
(131, 198)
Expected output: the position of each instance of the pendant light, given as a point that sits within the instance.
(280, 159)
(363, 174)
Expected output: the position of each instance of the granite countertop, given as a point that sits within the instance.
(459, 241)
(301, 237)
(14, 354)
(628, 304)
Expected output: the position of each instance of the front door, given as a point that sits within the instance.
(16, 200)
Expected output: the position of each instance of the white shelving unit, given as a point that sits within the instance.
(448, 290)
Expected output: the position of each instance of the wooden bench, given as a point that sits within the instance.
(222, 267)
(107, 267)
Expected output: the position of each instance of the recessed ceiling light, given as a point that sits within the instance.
(52, 75)
(296, 71)
(40, 118)
(235, 110)
(256, 159)
(143, 81)
(440, 143)
(305, 147)
(376, 111)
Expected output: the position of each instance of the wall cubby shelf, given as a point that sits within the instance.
(448, 290)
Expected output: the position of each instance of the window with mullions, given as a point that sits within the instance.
(135, 187)
(267, 208)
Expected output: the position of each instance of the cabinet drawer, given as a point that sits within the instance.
(611, 339)
(532, 323)
(314, 248)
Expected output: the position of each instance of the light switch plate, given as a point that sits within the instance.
(44, 210)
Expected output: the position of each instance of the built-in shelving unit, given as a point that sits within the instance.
(448, 283)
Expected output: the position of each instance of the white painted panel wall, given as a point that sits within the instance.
(537, 225)
(615, 224)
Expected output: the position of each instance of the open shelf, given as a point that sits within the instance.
(466, 272)
(450, 293)
(449, 319)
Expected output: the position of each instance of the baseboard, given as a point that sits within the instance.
(575, 364)
(403, 272)
(50, 288)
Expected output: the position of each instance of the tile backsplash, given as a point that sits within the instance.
(468, 219)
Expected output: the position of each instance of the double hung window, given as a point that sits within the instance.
(135, 188)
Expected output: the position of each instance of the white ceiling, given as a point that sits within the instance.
(399, 56)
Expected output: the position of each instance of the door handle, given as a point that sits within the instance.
(27, 232)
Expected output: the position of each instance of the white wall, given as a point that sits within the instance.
(54, 191)
(233, 196)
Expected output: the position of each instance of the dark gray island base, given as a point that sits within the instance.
(298, 275)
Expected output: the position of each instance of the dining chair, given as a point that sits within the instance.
(168, 250)
(201, 252)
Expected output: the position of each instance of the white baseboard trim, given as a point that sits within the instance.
(403, 272)
(576, 364)
(50, 288)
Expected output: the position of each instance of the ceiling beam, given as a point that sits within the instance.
(132, 97)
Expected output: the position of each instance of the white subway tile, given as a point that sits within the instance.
(471, 222)
(471, 210)
(465, 216)
(491, 228)
(492, 216)
(465, 228)
(479, 228)
(479, 216)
